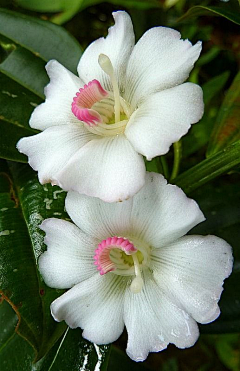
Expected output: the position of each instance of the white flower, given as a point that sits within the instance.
(128, 101)
(130, 264)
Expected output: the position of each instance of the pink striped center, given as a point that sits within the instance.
(83, 101)
(102, 253)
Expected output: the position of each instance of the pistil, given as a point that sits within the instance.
(107, 67)
(137, 282)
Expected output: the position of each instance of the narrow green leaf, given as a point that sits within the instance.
(228, 350)
(26, 69)
(227, 126)
(214, 86)
(199, 134)
(208, 56)
(218, 164)
(200, 10)
(44, 39)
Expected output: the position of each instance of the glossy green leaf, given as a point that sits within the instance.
(8, 322)
(71, 352)
(219, 202)
(227, 126)
(24, 204)
(16, 105)
(44, 39)
(9, 137)
(26, 69)
(205, 171)
(200, 10)
(74, 353)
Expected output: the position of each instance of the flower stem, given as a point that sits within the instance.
(177, 147)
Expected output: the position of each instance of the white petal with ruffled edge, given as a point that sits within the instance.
(98, 218)
(160, 60)
(49, 151)
(117, 46)
(95, 305)
(162, 212)
(108, 168)
(153, 321)
(164, 118)
(195, 267)
(69, 256)
(61, 90)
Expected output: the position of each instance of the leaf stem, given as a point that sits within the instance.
(60, 345)
(177, 147)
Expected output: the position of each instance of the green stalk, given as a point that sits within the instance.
(220, 163)
(177, 147)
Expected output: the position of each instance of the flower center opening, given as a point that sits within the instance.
(119, 256)
(103, 112)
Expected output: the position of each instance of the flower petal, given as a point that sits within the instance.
(69, 256)
(57, 109)
(108, 168)
(50, 150)
(160, 60)
(117, 46)
(164, 118)
(162, 212)
(95, 305)
(153, 321)
(195, 267)
(98, 218)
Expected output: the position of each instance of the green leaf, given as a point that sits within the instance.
(8, 322)
(16, 105)
(9, 137)
(227, 126)
(228, 350)
(67, 9)
(200, 10)
(24, 204)
(214, 86)
(44, 39)
(26, 69)
(71, 352)
(219, 202)
(199, 134)
(75, 353)
(205, 171)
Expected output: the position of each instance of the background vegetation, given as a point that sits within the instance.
(205, 164)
